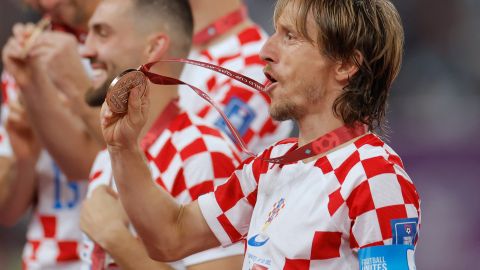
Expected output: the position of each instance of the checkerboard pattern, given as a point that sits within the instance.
(188, 158)
(53, 235)
(240, 54)
(333, 206)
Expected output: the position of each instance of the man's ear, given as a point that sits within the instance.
(158, 45)
(346, 69)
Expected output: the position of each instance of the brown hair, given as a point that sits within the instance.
(345, 27)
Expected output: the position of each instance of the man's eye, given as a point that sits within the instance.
(102, 32)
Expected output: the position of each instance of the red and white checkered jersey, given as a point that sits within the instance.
(188, 158)
(313, 215)
(53, 235)
(246, 108)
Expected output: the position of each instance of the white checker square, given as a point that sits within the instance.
(366, 228)
(198, 168)
(385, 190)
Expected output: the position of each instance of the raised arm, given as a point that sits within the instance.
(104, 221)
(51, 70)
(168, 230)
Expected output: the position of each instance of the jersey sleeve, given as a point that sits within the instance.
(383, 196)
(228, 210)
(5, 148)
(101, 172)
(7, 86)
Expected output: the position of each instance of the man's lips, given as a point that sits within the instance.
(269, 74)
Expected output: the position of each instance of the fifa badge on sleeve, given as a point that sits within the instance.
(404, 231)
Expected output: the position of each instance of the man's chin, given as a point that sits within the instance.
(285, 112)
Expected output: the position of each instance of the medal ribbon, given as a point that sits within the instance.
(221, 26)
(321, 145)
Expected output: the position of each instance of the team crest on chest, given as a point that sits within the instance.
(261, 238)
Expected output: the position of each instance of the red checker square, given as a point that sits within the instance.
(209, 131)
(370, 140)
(324, 164)
(409, 193)
(232, 233)
(195, 147)
(222, 165)
(268, 128)
(395, 160)
(241, 93)
(165, 156)
(222, 60)
(179, 184)
(335, 200)
(254, 59)
(385, 214)
(200, 189)
(360, 200)
(326, 245)
(342, 171)
(298, 264)
(35, 245)
(49, 224)
(67, 251)
(376, 166)
(249, 35)
(228, 194)
(211, 83)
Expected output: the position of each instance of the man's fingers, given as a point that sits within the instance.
(107, 117)
(12, 49)
(22, 31)
(137, 106)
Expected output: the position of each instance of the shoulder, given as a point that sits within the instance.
(366, 169)
(370, 173)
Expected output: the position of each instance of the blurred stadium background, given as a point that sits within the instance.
(434, 118)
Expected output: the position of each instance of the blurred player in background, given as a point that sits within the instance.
(226, 36)
(29, 175)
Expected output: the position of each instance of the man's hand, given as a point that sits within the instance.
(13, 56)
(58, 55)
(122, 132)
(22, 138)
(102, 215)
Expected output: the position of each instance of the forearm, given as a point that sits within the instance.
(91, 118)
(17, 186)
(62, 133)
(128, 252)
(152, 211)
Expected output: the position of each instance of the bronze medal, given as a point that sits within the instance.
(119, 90)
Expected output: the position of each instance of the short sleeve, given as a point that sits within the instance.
(385, 196)
(228, 210)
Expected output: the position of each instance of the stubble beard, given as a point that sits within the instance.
(289, 110)
(286, 111)
(96, 96)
